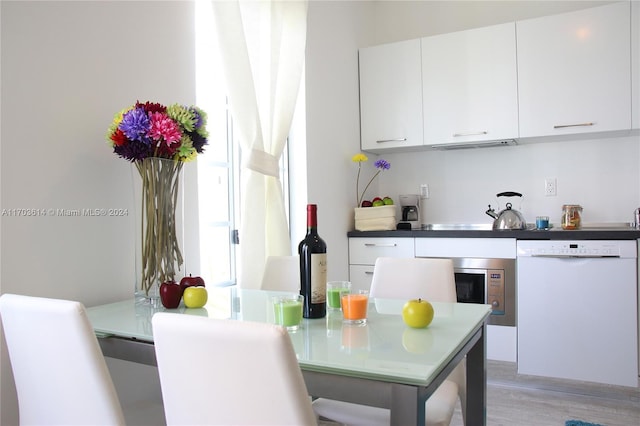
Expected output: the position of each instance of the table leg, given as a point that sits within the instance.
(477, 382)
(406, 406)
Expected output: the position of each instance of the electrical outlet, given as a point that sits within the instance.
(424, 190)
(550, 188)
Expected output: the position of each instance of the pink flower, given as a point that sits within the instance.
(164, 129)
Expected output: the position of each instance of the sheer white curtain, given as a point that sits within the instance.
(262, 46)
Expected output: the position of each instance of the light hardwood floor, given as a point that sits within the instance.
(533, 401)
(517, 400)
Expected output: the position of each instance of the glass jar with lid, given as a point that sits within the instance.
(571, 216)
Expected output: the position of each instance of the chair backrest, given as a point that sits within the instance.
(413, 278)
(60, 373)
(225, 372)
(281, 273)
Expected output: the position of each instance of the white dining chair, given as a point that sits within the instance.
(408, 278)
(281, 273)
(226, 372)
(60, 374)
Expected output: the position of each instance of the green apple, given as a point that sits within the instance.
(417, 313)
(378, 203)
(387, 201)
(195, 297)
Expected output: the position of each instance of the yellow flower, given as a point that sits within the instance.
(359, 158)
(379, 164)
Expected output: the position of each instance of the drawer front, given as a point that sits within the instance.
(365, 251)
(360, 276)
(489, 248)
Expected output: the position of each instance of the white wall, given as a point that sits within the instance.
(335, 30)
(403, 20)
(67, 68)
(600, 175)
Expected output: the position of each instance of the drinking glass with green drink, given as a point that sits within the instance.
(287, 310)
(335, 290)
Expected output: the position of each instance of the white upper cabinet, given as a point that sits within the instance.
(391, 96)
(469, 86)
(574, 72)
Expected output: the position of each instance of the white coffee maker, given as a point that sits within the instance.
(410, 211)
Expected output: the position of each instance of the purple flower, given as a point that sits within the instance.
(197, 117)
(135, 124)
(198, 141)
(382, 164)
(133, 151)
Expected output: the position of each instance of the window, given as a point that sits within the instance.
(219, 178)
(217, 171)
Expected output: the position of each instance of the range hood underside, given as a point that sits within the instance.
(469, 145)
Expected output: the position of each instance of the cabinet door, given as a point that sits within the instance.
(574, 72)
(391, 96)
(470, 86)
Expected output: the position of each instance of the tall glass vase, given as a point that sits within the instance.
(159, 230)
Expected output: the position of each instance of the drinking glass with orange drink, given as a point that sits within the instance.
(354, 307)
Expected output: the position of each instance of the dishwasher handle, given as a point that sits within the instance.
(568, 256)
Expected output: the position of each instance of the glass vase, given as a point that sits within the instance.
(159, 201)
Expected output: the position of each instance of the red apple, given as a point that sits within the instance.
(191, 282)
(170, 294)
(366, 203)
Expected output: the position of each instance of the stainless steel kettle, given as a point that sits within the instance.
(508, 218)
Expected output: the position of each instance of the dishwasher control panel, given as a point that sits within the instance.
(589, 249)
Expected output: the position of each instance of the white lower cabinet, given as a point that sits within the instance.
(360, 276)
(502, 343)
(363, 253)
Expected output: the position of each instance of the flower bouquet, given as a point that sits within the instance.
(158, 140)
(377, 215)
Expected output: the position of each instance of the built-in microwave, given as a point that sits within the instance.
(490, 281)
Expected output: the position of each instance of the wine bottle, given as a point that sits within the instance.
(313, 268)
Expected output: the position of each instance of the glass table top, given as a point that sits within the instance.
(384, 348)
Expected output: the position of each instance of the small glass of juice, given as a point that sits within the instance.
(335, 290)
(354, 307)
(287, 311)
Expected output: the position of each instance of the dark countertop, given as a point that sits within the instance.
(586, 233)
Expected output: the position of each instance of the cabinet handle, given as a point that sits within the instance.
(562, 126)
(457, 135)
(392, 140)
(379, 245)
(368, 272)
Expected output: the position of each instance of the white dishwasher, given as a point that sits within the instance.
(578, 310)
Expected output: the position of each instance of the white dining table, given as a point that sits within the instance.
(383, 363)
